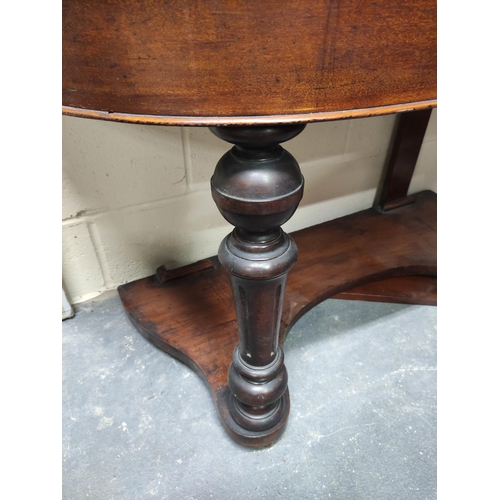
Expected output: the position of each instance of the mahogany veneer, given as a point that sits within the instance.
(245, 62)
(194, 319)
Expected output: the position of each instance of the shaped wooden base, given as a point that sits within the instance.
(192, 316)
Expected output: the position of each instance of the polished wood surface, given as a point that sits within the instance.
(240, 62)
(420, 290)
(194, 318)
(257, 186)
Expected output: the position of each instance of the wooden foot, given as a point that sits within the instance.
(193, 317)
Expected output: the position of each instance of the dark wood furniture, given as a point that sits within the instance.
(256, 73)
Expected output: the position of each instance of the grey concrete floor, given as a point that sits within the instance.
(139, 424)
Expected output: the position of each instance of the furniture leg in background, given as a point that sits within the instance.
(392, 194)
(409, 135)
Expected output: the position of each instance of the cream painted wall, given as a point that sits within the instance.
(136, 197)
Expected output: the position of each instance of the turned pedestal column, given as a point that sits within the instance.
(257, 186)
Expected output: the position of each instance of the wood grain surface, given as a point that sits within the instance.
(421, 290)
(224, 61)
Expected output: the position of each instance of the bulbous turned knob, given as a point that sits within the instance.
(257, 185)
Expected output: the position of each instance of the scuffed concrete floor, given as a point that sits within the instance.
(138, 424)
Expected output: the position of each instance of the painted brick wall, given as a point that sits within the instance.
(136, 197)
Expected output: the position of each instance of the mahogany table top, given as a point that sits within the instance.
(241, 62)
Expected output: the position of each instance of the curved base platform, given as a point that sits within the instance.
(189, 312)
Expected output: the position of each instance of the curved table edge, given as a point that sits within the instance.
(207, 121)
